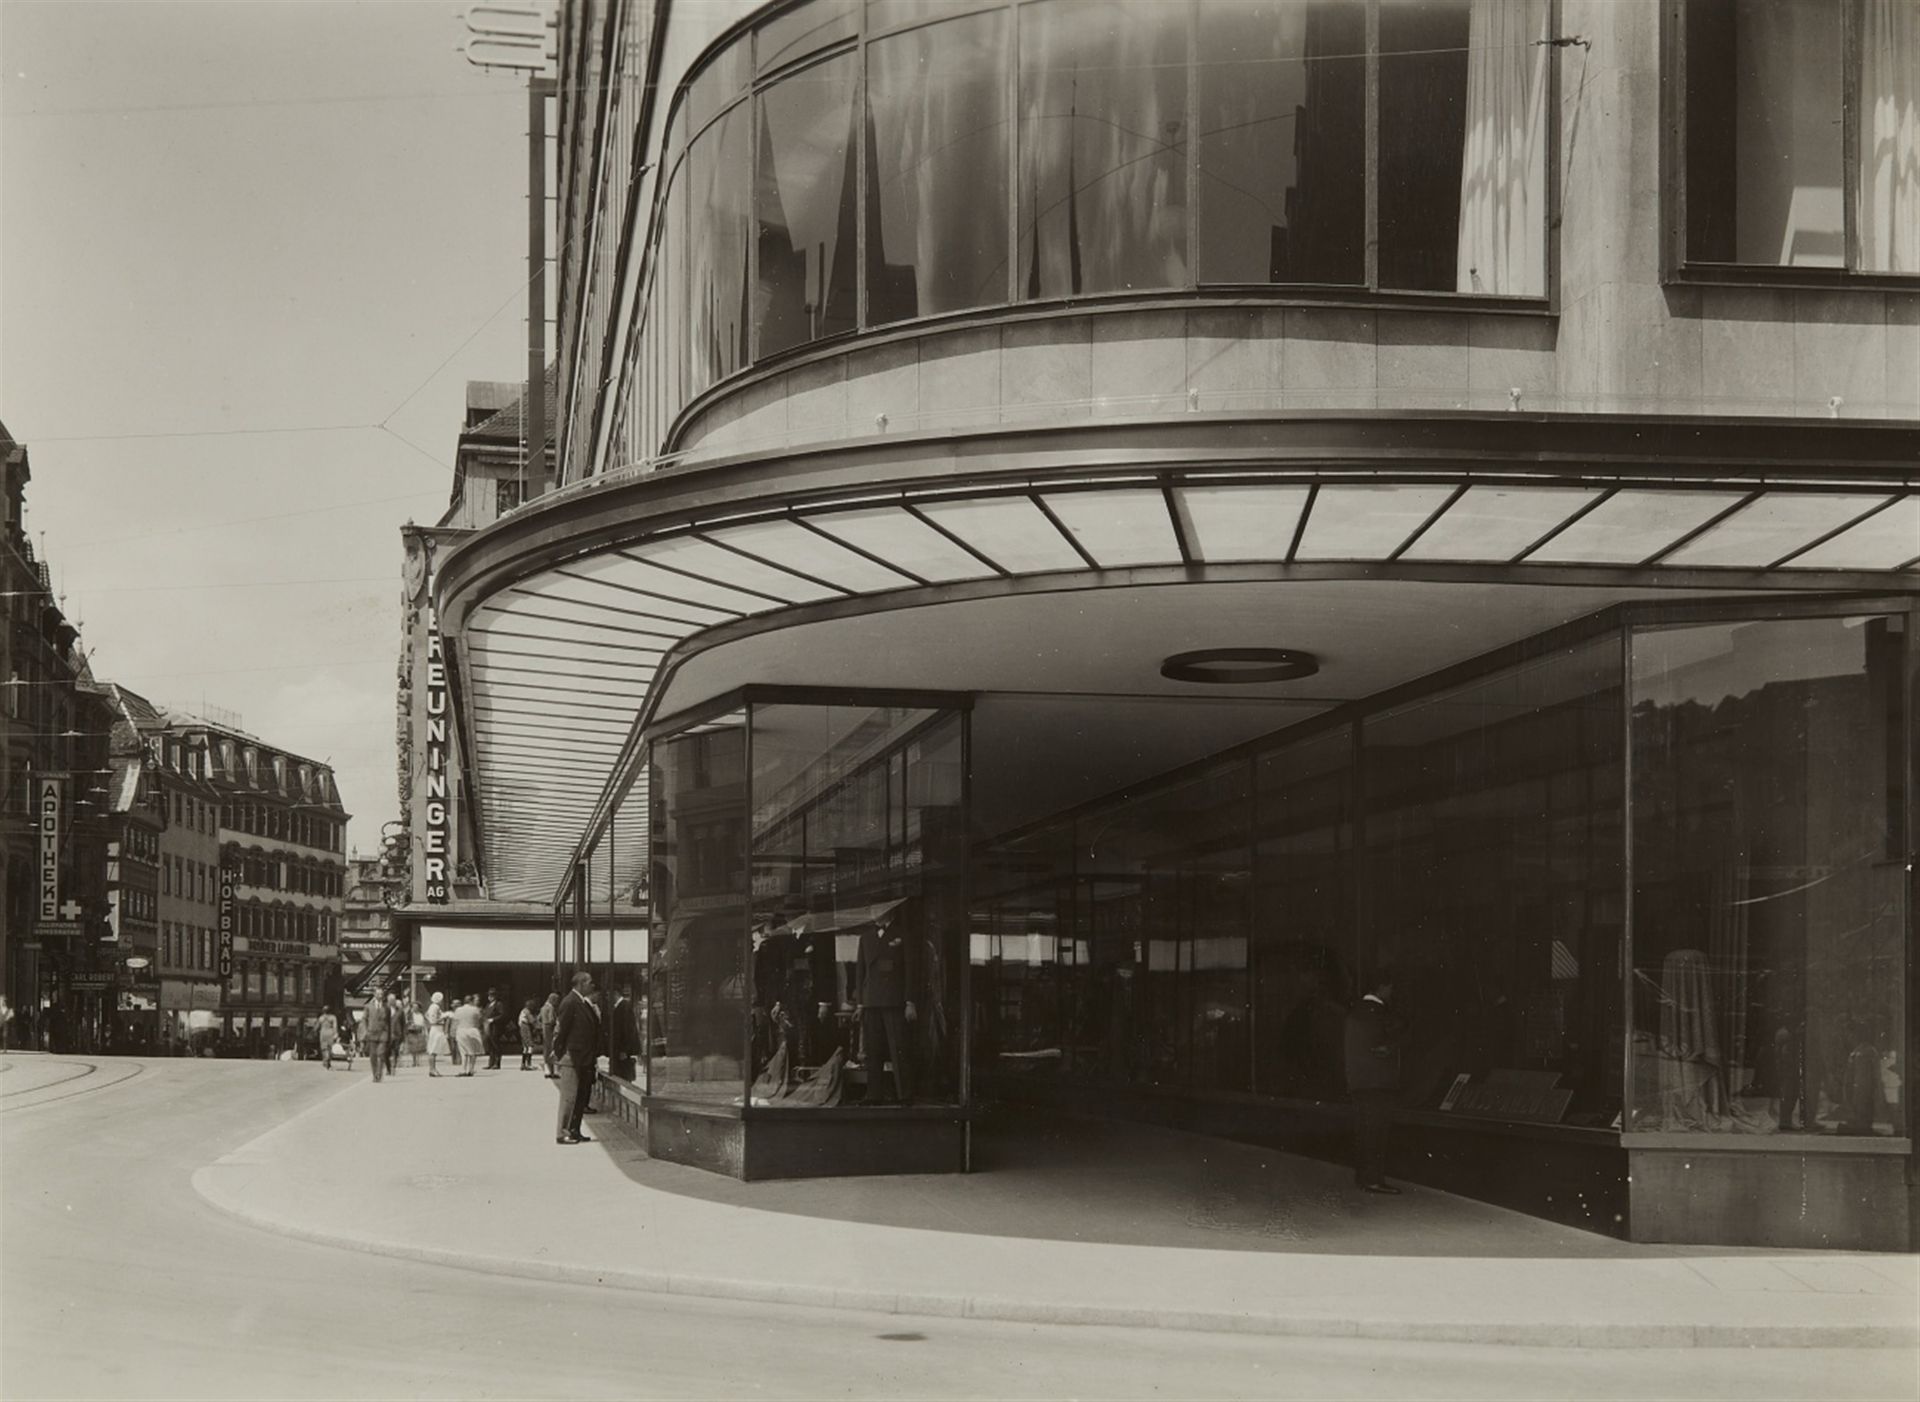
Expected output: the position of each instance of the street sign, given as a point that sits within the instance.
(57, 929)
(87, 983)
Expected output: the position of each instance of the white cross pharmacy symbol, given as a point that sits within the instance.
(70, 910)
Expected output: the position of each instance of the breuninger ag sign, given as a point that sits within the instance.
(437, 885)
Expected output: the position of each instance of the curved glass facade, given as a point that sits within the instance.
(842, 166)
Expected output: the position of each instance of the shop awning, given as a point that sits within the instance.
(562, 657)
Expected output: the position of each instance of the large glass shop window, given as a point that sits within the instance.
(858, 923)
(1769, 877)
(937, 169)
(1492, 879)
(1162, 912)
(1102, 181)
(1304, 952)
(698, 885)
(805, 207)
(1281, 91)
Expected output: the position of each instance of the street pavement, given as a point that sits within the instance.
(1117, 1225)
(120, 1277)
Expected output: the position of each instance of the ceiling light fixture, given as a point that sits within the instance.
(1239, 666)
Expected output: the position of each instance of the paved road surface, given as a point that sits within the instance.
(117, 1280)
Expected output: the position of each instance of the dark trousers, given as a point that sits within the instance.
(883, 1037)
(376, 1050)
(1372, 1119)
(576, 1086)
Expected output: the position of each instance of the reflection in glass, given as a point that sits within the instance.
(806, 207)
(719, 191)
(1769, 881)
(1463, 132)
(670, 300)
(1281, 93)
(804, 29)
(1493, 879)
(1764, 157)
(1103, 132)
(859, 855)
(722, 80)
(1304, 946)
(937, 169)
(698, 886)
(1162, 887)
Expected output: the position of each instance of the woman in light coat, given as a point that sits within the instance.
(436, 1034)
(467, 1036)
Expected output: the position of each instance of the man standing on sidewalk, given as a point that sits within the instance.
(1374, 1035)
(576, 1036)
(496, 1028)
(373, 1034)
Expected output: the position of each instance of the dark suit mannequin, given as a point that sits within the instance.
(888, 966)
(577, 1036)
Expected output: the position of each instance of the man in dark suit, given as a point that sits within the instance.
(577, 1039)
(1374, 1037)
(496, 1028)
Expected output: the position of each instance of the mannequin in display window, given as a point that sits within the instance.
(889, 954)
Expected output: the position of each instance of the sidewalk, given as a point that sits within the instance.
(1074, 1223)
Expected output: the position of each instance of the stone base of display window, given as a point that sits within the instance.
(1774, 1194)
(766, 1143)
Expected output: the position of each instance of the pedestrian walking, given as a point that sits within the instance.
(416, 1032)
(467, 1035)
(328, 1033)
(396, 1031)
(437, 1046)
(549, 1014)
(373, 1034)
(1374, 1037)
(496, 1028)
(578, 1037)
(529, 1030)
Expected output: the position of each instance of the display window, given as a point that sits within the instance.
(808, 867)
(1770, 877)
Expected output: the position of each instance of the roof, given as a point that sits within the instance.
(505, 425)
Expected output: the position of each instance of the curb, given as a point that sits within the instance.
(1013, 1310)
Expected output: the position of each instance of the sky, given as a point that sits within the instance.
(250, 254)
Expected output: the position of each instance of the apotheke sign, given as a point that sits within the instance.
(49, 806)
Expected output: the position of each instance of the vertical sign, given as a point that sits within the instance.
(437, 801)
(226, 922)
(49, 803)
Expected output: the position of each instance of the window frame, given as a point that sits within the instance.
(1676, 268)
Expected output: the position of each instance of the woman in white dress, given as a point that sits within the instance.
(436, 1034)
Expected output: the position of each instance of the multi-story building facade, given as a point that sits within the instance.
(55, 725)
(251, 882)
(1105, 528)
(282, 834)
(189, 803)
(134, 863)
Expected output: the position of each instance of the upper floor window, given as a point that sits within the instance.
(877, 163)
(1798, 136)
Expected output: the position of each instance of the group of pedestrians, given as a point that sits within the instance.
(389, 1025)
